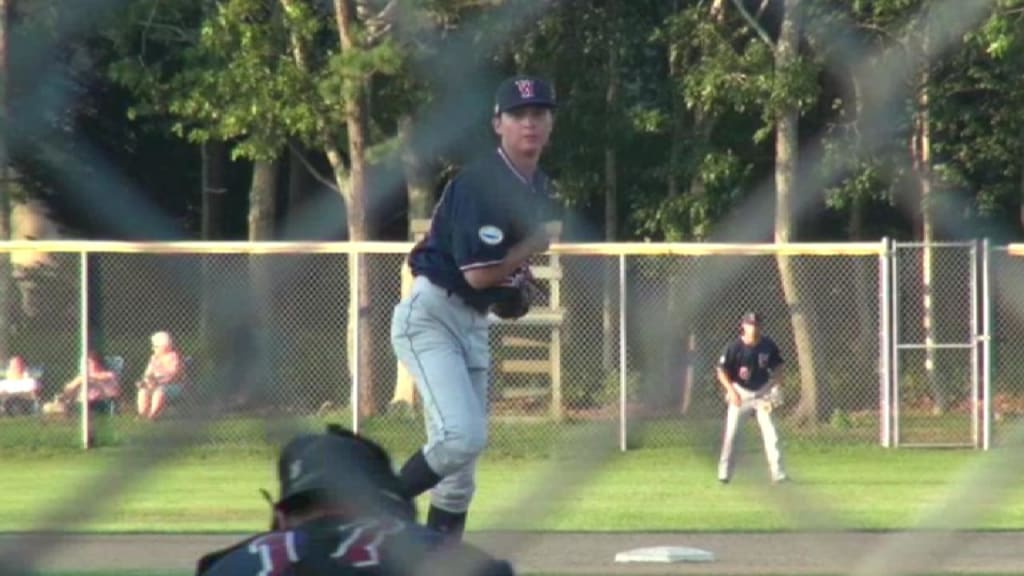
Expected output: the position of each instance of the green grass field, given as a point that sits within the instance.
(666, 487)
(665, 483)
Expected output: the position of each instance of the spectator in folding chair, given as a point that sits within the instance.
(164, 378)
(19, 385)
(16, 369)
(104, 387)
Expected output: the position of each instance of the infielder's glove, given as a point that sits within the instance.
(772, 400)
(516, 296)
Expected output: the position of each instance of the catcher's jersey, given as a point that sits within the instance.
(750, 366)
(328, 547)
(486, 209)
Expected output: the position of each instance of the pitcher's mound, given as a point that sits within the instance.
(665, 555)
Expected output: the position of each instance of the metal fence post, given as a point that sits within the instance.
(975, 341)
(986, 343)
(885, 341)
(894, 334)
(623, 366)
(84, 345)
(354, 313)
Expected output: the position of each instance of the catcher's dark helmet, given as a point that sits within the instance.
(341, 468)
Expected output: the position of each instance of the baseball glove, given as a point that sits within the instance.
(772, 400)
(516, 296)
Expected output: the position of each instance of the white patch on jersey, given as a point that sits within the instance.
(491, 235)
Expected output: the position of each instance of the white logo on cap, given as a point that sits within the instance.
(525, 88)
(491, 235)
(296, 470)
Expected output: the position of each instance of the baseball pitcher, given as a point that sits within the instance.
(472, 264)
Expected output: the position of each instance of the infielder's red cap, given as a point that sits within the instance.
(520, 91)
(752, 318)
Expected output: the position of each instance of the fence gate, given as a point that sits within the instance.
(936, 337)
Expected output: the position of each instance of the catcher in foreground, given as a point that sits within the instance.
(472, 264)
(750, 370)
(340, 513)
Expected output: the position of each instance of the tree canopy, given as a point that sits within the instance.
(143, 83)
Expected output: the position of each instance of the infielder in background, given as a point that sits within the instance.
(750, 370)
(488, 223)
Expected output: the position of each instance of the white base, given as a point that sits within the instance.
(665, 555)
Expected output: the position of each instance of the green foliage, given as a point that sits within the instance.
(226, 69)
(239, 80)
(731, 68)
(688, 216)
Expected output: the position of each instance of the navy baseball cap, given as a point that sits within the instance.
(338, 466)
(752, 318)
(520, 91)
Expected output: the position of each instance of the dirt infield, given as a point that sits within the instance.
(582, 553)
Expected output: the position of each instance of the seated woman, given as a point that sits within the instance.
(18, 383)
(163, 378)
(16, 369)
(104, 386)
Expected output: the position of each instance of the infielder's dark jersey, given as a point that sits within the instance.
(329, 547)
(750, 366)
(486, 209)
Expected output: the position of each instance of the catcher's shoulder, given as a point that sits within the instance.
(212, 563)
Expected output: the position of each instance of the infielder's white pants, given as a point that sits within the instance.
(757, 403)
(444, 345)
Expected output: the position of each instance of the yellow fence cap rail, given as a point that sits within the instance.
(582, 249)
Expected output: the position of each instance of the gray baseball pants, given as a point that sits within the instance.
(443, 343)
(757, 403)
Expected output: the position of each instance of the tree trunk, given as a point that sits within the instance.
(419, 188)
(864, 295)
(214, 161)
(611, 210)
(674, 359)
(6, 176)
(418, 175)
(1020, 156)
(356, 121)
(298, 180)
(786, 162)
(718, 11)
(213, 157)
(675, 70)
(922, 162)
(867, 333)
(351, 184)
(1020, 142)
(262, 200)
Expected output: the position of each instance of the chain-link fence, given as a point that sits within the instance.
(266, 332)
(936, 301)
(678, 330)
(40, 324)
(1007, 301)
